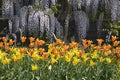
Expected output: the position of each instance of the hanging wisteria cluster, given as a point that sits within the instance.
(28, 20)
(31, 21)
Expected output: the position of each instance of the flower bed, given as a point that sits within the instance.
(60, 61)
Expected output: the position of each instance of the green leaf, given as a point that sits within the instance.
(115, 32)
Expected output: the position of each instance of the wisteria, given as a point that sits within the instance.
(52, 27)
(81, 22)
(99, 24)
(41, 23)
(94, 7)
(29, 20)
(114, 7)
(87, 5)
(31, 26)
(23, 19)
(118, 11)
(7, 9)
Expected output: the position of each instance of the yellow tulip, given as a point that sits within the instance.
(34, 67)
(75, 61)
(85, 58)
(6, 61)
(108, 60)
(92, 63)
(58, 57)
(95, 54)
(2, 54)
(53, 60)
(67, 59)
(101, 59)
(35, 57)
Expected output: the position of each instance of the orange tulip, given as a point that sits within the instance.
(98, 48)
(62, 43)
(92, 46)
(114, 38)
(54, 49)
(23, 39)
(6, 44)
(31, 39)
(11, 42)
(1, 44)
(73, 44)
(84, 41)
(41, 50)
(80, 52)
(116, 43)
(53, 44)
(31, 45)
(104, 48)
(109, 46)
(41, 42)
(22, 50)
(118, 55)
(84, 46)
(61, 52)
(58, 41)
(89, 42)
(4, 39)
(45, 55)
(115, 50)
(56, 53)
(66, 47)
(32, 52)
(37, 42)
(99, 41)
(7, 48)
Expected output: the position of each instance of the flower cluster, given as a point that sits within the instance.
(60, 58)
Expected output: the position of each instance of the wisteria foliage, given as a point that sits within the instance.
(94, 7)
(99, 24)
(23, 19)
(114, 7)
(81, 22)
(7, 9)
(37, 22)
